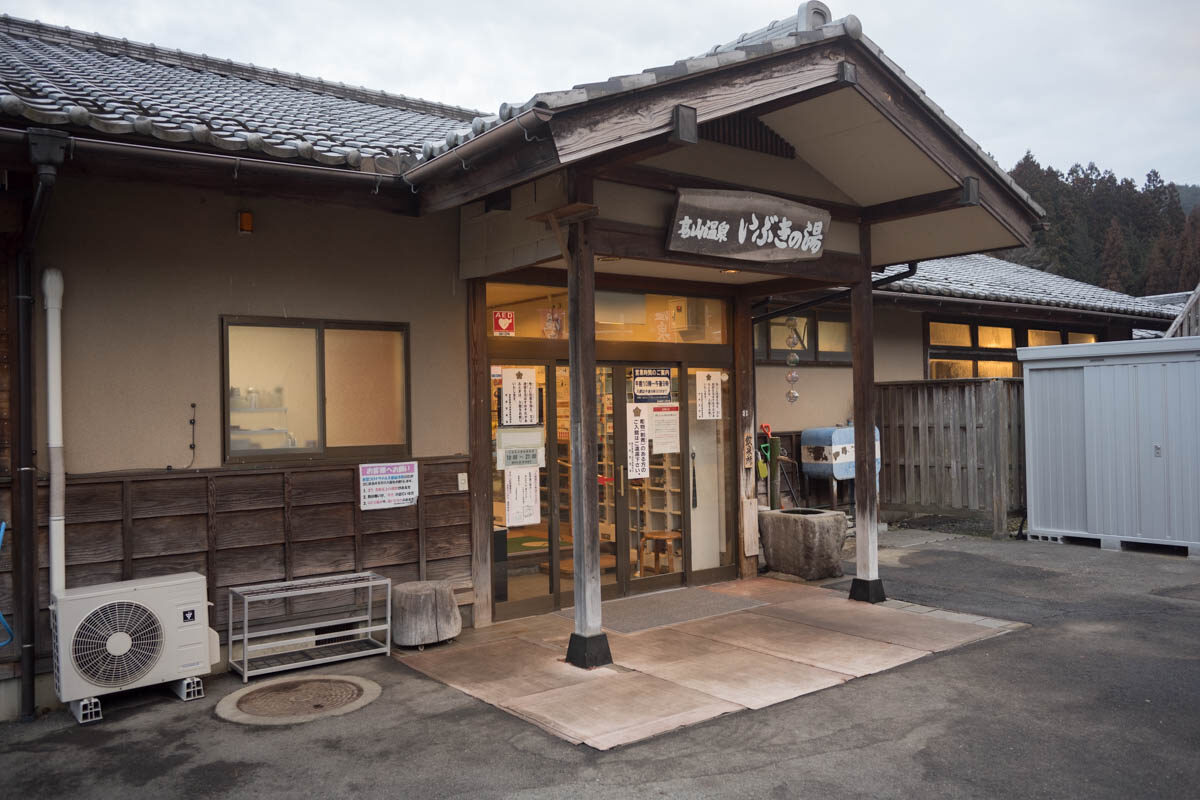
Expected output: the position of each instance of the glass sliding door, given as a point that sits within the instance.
(712, 528)
(524, 532)
(651, 477)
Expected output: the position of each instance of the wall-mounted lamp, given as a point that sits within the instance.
(245, 222)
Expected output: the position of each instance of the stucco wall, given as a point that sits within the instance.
(827, 393)
(149, 271)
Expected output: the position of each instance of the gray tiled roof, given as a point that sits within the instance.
(57, 76)
(982, 277)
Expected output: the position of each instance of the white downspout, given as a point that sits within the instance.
(52, 291)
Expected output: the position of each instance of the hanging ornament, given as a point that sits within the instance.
(790, 322)
(792, 376)
(793, 339)
(793, 359)
(793, 395)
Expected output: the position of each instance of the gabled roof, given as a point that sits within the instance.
(981, 277)
(57, 76)
(52, 75)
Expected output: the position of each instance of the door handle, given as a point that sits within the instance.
(621, 481)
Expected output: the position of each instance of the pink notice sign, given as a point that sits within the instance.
(387, 485)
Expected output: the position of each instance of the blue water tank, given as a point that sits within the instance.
(829, 452)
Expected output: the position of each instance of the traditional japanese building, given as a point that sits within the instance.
(272, 280)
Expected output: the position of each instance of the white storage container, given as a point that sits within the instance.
(1112, 441)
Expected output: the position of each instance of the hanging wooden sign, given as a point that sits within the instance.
(746, 225)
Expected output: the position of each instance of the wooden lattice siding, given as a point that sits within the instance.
(248, 527)
(749, 133)
(1188, 321)
(940, 447)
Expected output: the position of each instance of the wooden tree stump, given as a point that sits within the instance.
(424, 612)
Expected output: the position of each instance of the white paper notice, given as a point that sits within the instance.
(708, 394)
(664, 428)
(522, 497)
(518, 396)
(637, 435)
(511, 457)
(387, 485)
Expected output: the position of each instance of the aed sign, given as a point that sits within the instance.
(504, 323)
(746, 225)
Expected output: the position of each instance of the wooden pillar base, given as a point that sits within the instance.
(867, 591)
(589, 651)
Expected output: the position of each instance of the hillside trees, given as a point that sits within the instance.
(1109, 231)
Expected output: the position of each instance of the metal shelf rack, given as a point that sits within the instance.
(353, 638)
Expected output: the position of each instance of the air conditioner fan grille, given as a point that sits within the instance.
(117, 643)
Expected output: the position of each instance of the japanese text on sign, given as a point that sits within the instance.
(518, 396)
(511, 457)
(747, 225)
(664, 428)
(637, 437)
(650, 384)
(708, 394)
(387, 485)
(522, 497)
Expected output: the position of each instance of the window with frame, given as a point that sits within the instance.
(810, 337)
(315, 389)
(959, 349)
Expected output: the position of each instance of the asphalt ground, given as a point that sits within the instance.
(1099, 698)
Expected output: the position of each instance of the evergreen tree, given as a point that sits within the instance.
(1187, 260)
(1115, 269)
(1161, 277)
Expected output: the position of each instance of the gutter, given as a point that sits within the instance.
(246, 164)
(47, 149)
(907, 272)
(517, 129)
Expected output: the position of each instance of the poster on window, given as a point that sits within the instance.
(651, 384)
(387, 485)
(637, 436)
(522, 497)
(664, 428)
(518, 396)
(708, 394)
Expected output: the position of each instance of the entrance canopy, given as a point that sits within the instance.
(810, 113)
(795, 158)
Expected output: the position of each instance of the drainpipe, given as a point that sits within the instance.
(907, 272)
(46, 151)
(52, 295)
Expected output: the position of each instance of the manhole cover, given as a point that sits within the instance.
(286, 701)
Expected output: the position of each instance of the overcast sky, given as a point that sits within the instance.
(1108, 81)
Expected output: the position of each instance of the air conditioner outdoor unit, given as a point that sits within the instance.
(116, 636)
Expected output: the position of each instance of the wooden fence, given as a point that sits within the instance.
(952, 447)
(1188, 321)
(246, 526)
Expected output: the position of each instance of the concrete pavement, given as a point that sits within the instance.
(1097, 699)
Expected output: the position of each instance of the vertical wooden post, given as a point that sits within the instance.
(479, 412)
(589, 645)
(998, 414)
(743, 410)
(775, 443)
(866, 585)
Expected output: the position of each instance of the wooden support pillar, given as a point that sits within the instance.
(589, 644)
(480, 469)
(743, 409)
(866, 585)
